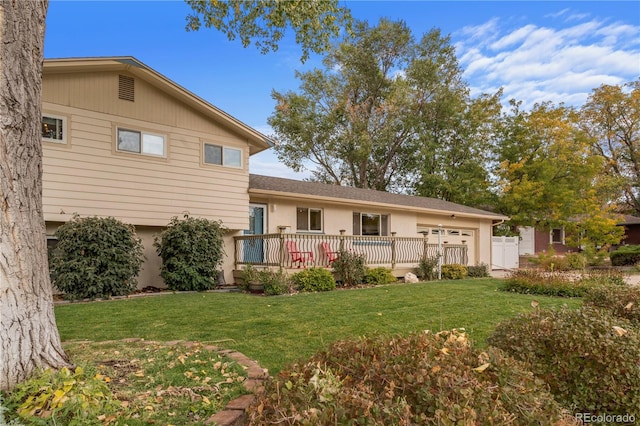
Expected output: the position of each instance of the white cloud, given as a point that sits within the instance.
(479, 33)
(266, 163)
(548, 63)
(517, 36)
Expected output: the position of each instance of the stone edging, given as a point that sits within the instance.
(234, 414)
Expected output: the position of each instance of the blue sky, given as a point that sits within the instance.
(555, 51)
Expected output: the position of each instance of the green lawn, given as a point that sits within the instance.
(278, 330)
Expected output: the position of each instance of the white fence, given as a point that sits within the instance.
(504, 253)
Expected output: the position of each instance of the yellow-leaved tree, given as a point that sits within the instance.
(550, 177)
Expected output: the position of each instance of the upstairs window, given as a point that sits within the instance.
(309, 219)
(140, 142)
(370, 224)
(54, 128)
(222, 155)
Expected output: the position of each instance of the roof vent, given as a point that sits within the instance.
(126, 88)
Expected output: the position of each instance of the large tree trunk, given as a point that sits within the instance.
(29, 337)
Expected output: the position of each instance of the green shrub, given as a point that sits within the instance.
(420, 379)
(550, 262)
(529, 281)
(192, 251)
(596, 257)
(588, 357)
(620, 301)
(349, 268)
(379, 276)
(427, 268)
(625, 256)
(274, 282)
(576, 261)
(313, 279)
(453, 272)
(478, 271)
(249, 276)
(96, 257)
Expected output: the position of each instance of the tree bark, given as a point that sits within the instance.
(29, 338)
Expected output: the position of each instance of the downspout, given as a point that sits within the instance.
(499, 223)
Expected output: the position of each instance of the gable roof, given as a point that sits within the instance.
(268, 185)
(257, 140)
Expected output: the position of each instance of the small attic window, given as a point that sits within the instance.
(126, 88)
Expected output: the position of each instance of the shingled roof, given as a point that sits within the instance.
(629, 220)
(259, 184)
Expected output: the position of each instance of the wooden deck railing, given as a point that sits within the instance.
(275, 250)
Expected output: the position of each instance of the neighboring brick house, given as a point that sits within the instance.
(631, 226)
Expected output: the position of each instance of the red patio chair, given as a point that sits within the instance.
(331, 255)
(297, 256)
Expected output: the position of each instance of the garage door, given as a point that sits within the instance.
(454, 236)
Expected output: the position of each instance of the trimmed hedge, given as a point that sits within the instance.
(588, 357)
(453, 271)
(313, 279)
(379, 276)
(478, 271)
(625, 256)
(423, 378)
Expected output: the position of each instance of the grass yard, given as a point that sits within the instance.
(281, 329)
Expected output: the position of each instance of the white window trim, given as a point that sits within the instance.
(309, 230)
(65, 120)
(240, 150)
(380, 224)
(562, 236)
(142, 133)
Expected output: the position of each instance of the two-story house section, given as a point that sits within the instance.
(119, 139)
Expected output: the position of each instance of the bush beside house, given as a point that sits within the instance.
(96, 257)
(192, 251)
(313, 279)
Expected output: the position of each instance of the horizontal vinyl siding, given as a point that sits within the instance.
(98, 91)
(87, 177)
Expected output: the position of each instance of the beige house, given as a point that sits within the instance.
(121, 140)
(372, 221)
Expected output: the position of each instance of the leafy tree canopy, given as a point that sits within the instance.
(387, 112)
(314, 22)
(549, 176)
(611, 117)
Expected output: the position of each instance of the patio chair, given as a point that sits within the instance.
(297, 256)
(331, 255)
